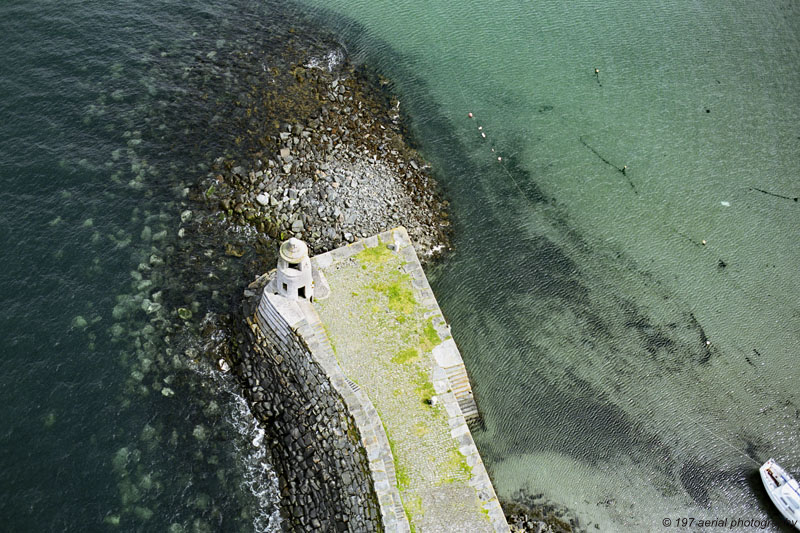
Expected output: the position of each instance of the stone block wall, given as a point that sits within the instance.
(317, 453)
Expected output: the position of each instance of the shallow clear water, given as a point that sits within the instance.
(582, 297)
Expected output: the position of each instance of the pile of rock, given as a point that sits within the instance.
(536, 516)
(339, 171)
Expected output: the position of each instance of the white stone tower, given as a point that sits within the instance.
(294, 279)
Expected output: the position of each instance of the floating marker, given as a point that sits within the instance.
(726, 204)
(483, 135)
(469, 115)
(480, 128)
(703, 242)
(492, 149)
(499, 158)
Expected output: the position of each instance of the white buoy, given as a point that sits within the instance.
(499, 158)
(725, 204)
(483, 135)
(469, 115)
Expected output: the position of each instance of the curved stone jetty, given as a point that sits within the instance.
(374, 327)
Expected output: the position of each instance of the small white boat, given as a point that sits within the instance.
(783, 490)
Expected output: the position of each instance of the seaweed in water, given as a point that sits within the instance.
(793, 198)
(622, 170)
(695, 483)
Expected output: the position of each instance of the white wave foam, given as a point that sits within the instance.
(259, 477)
(332, 60)
(253, 457)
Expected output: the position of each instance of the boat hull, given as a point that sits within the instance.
(782, 490)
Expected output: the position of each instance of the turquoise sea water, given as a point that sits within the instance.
(626, 371)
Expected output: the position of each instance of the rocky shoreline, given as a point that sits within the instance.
(330, 162)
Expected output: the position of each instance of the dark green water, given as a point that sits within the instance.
(582, 297)
(113, 419)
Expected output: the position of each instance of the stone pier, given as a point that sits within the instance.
(372, 323)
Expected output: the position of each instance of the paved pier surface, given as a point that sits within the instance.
(379, 318)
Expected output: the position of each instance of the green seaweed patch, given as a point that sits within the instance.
(376, 256)
(400, 472)
(353, 434)
(412, 508)
(403, 481)
(405, 356)
(421, 429)
(424, 389)
(401, 297)
(457, 465)
(429, 337)
(330, 340)
(49, 419)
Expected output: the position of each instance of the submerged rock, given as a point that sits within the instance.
(200, 432)
(150, 307)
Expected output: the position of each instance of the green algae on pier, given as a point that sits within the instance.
(385, 325)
